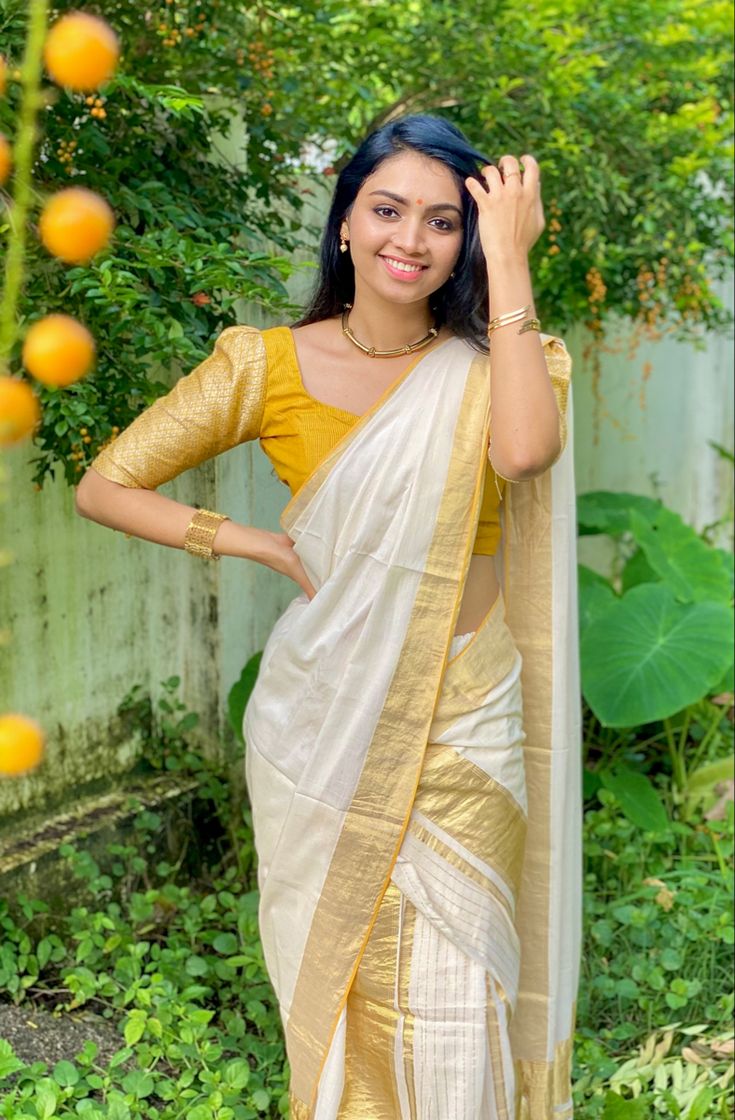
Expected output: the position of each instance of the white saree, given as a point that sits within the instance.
(418, 827)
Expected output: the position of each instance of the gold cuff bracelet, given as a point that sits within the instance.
(200, 533)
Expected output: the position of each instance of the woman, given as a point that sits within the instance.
(417, 819)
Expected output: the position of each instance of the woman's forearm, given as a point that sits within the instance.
(525, 416)
(154, 517)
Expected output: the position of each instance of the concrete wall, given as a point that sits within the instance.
(647, 424)
(92, 612)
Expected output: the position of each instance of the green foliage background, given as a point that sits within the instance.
(627, 106)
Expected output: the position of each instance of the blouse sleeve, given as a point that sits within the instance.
(559, 365)
(215, 407)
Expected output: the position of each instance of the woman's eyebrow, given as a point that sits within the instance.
(404, 202)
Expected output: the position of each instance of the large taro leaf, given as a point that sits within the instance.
(608, 511)
(637, 797)
(648, 656)
(693, 569)
(637, 570)
(595, 595)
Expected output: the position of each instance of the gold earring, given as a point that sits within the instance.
(342, 244)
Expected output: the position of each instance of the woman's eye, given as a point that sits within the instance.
(444, 225)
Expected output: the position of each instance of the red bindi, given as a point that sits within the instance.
(419, 202)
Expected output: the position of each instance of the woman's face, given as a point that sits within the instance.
(405, 228)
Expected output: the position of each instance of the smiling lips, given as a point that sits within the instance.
(403, 270)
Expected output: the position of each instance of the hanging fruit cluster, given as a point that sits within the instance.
(80, 53)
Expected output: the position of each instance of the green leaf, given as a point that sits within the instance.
(65, 1073)
(135, 1028)
(693, 569)
(704, 778)
(619, 1108)
(138, 1083)
(649, 656)
(671, 959)
(196, 966)
(200, 1112)
(605, 511)
(46, 1101)
(226, 943)
(8, 1061)
(43, 952)
(700, 1106)
(237, 1074)
(595, 595)
(120, 1056)
(239, 694)
(637, 570)
(637, 798)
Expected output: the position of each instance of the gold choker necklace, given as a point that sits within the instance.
(373, 353)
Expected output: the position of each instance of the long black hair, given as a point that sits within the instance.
(462, 302)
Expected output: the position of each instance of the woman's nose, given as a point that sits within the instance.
(410, 238)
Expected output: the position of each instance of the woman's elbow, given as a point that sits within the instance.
(82, 496)
(520, 468)
(91, 492)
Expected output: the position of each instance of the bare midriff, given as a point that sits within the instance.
(480, 592)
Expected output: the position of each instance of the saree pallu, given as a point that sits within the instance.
(418, 826)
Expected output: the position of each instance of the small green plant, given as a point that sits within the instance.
(178, 968)
(659, 924)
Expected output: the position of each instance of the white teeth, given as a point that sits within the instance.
(404, 267)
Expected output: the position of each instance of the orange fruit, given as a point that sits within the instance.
(21, 744)
(76, 224)
(58, 350)
(6, 159)
(81, 51)
(19, 410)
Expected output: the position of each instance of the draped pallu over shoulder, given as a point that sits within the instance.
(338, 723)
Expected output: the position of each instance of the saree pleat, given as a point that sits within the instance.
(389, 777)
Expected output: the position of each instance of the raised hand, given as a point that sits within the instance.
(510, 211)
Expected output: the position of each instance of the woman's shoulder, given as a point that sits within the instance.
(247, 344)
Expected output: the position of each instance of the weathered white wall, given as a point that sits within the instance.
(648, 426)
(93, 612)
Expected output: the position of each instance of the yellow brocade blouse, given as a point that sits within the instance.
(233, 396)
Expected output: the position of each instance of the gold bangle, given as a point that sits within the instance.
(200, 533)
(530, 325)
(509, 317)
